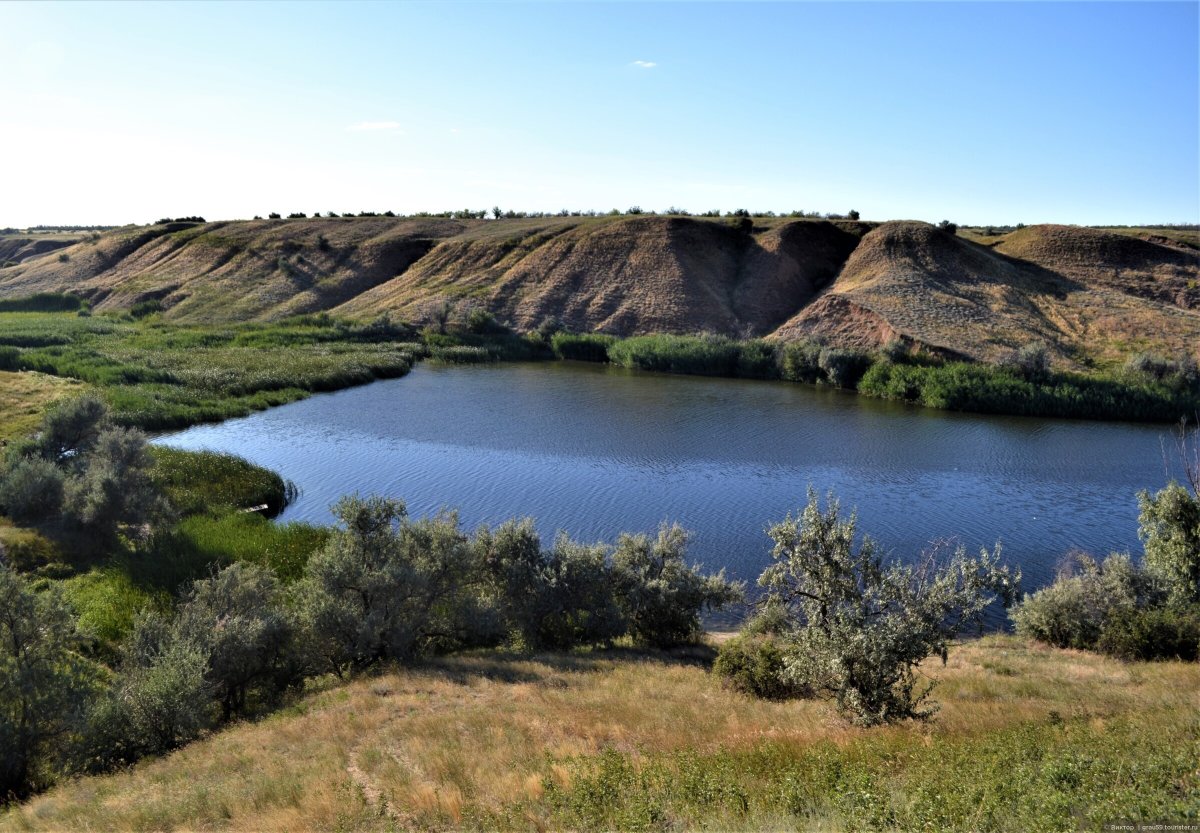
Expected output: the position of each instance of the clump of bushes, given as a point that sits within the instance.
(82, 470)
(583, 347)
(145, 308)
(853, 628)
(1132, 611)
(1075, 610)
(699, 355)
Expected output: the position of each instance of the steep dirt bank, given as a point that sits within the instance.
(1093, 296)
(14, 250)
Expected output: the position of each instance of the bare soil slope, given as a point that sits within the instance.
(1093, 297)
(14, 249)
(233, 270)
(628, 275)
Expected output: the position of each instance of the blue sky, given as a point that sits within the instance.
(975, 112)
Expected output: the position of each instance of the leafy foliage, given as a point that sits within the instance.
(1079, 606)
(661, 597)
(1169, 526)
(44, 685)
(860, 628)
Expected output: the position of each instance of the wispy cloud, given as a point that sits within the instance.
(373, 125)
(643, 64)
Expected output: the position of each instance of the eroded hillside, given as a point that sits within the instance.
(1093, 296)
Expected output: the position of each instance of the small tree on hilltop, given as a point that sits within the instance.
(859, 627)
(852, 215)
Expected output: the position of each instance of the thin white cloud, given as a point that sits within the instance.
(373, 125)
(643, 64)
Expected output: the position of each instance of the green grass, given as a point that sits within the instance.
(201, 541)
(160, 376)
(960, 386)
(208, 481)
(106, 600)
(1031, 777)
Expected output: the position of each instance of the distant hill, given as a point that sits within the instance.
(1093, 296)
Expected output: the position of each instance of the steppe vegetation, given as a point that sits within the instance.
(397, 672)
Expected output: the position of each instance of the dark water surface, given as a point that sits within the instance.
(595, 450)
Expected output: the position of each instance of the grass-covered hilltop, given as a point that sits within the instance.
(172, 658)
(192, 320)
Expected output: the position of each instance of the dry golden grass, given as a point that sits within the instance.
(463, 738)
(25, 396)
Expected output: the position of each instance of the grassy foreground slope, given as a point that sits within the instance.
(1029, 738)
(1095, 296)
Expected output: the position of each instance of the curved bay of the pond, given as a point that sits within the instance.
(594, 450)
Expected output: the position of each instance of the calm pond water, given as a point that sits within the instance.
(595, 450)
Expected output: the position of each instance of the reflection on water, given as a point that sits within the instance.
(594, 451)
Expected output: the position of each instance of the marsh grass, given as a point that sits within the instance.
(160, 376)
(210, 481)
(622, 739)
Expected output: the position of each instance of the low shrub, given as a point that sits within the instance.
(31, 490)
(754, 665)
(843, 368)
(461, 354)
(44, 302)
(1152, 634)
(583, 347)
(799, 361)
(696, 355)
(1074, 611)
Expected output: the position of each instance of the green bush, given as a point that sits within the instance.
(703, 356)
(754, 665)
(857, 628)
(238, 619)
(1153, 633)
(1074, 610)
(799, 361)
(162, 698)
(44, 302)
(1169, 526)
(962, 386)
(44, 685)
(756, 360)
(31, 490)
(843, 368)
(461, 354)
(583, 347)
(144, 308)
(660, 596)
(10, 358)
(384, 587)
